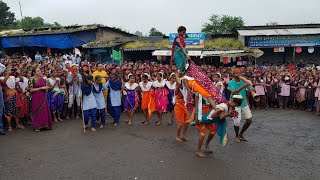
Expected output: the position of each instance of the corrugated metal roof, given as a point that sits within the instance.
(58, 30)
(142, 49)
(274, 32)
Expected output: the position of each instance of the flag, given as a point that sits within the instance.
(117, 56)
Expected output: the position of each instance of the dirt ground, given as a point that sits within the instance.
(281, 145)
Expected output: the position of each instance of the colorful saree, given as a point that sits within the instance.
(41, 115)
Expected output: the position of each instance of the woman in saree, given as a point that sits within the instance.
(9, 85)
(147, 103)
(179, 52)
(40, 114)
(161, 96)
(131, 101)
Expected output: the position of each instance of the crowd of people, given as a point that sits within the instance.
(47, 90)
(44, 92)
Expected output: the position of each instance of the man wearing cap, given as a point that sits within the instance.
(238, 85)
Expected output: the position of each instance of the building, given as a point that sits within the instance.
(58, 39)
(283, 43)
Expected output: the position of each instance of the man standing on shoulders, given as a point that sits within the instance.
(238, 85)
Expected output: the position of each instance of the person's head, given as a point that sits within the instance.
(85, 68)
(182, 30)
(88, 79)
(29, 74)
(97, 79)
(159, 76)
(36, 72)
(131, 78)
(93, 68)
(311, 78)
(236, 100)
(53, 73)
(236, 73)
(173, 77)
(216, 77)
(99, 67)
(145, 77)
(113, 76)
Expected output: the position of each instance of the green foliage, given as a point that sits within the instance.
(155, 32)
(223, 44)
(222, 24)
(6, 17)
(141, 44)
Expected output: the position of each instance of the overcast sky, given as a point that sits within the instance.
(167, 15)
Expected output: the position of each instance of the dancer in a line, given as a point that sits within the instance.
(131, 101)
(161, 96)
(171, 85)
(147, 104)
(182, 114)
(101, 104)
(89, 104)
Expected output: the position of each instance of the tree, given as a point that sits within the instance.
(222, 24)
(138, 33)
(272, 23)
(155, 32)
(6, 16)
(31, 23)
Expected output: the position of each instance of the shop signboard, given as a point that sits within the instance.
(193, 40)
(283, 41)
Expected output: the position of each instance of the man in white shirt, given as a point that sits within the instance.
(38, 57)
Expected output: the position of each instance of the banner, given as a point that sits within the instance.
(283, 41)
(116, 55)
(194, 39)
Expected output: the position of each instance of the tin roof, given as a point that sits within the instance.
(58, 30)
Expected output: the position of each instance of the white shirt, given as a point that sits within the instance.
(52, 82)
(89, 102)
(101, 104)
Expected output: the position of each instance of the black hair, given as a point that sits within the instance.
(145, 76)
(97, 77)
(88, 78)
(182, 28)
(237, 101)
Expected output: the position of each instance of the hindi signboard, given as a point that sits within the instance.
(194, 39)
(283, 41)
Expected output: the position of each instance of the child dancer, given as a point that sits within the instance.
(115, 96)
(161, 96)
(171, 85)
(182, 113)
(89, 104)
(56, 96)
(147, 103)
(131, 101)
(101, 104)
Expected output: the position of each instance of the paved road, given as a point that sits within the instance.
(282, 145)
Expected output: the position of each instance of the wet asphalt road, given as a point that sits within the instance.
(281, 145)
